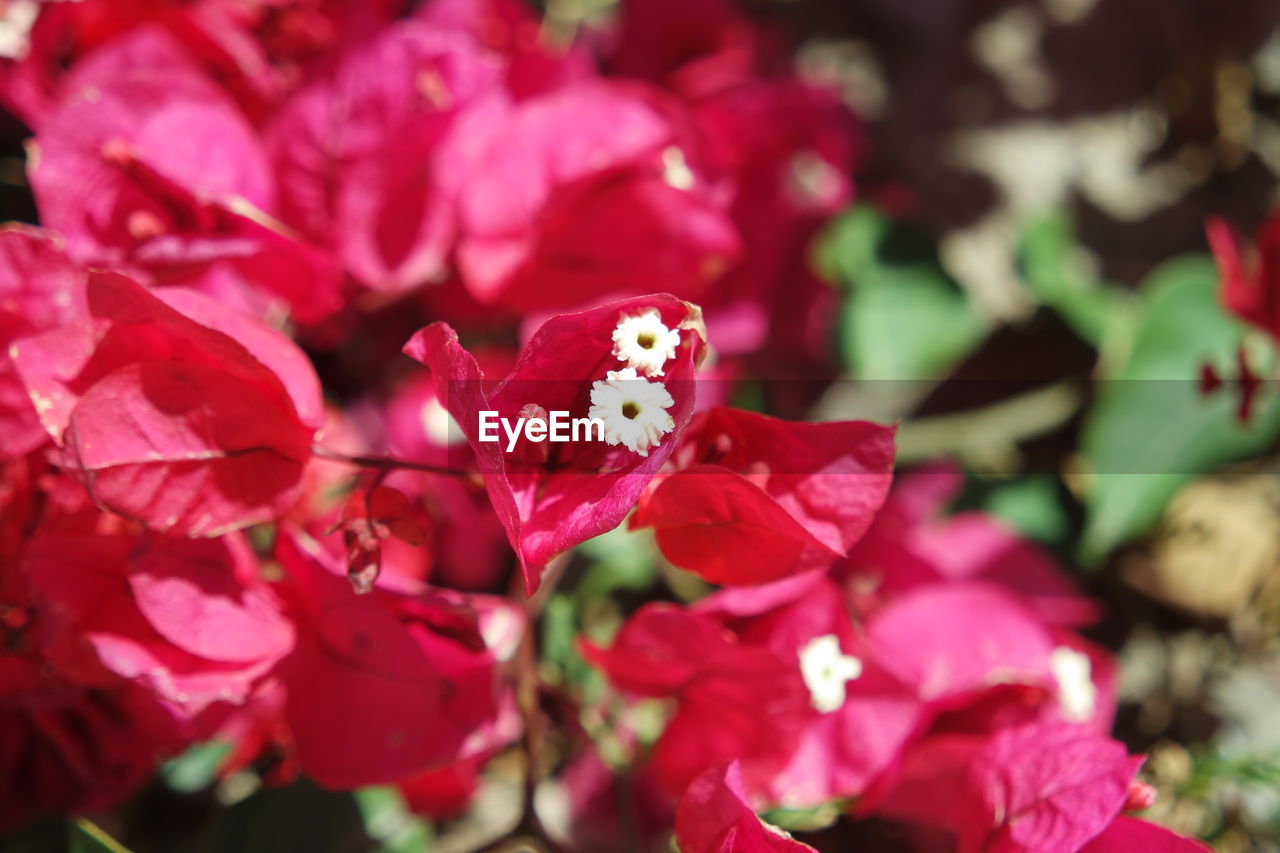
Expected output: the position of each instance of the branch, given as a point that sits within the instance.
(990, 434)
(383, 463)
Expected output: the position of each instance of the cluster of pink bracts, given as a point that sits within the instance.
(174, 562)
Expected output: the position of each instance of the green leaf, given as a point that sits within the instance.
(1031, 506)
(1057, 277)
(88, 837)
(559, 629)
(561, 661)
(621, 559)
(1151, 429)
(812, 819)
(389, 822)
(197, 767)
(902, 317)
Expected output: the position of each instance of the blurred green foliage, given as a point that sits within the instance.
(389, 823)
(1054, 270)
(1031, 505)
(902, 317)
(1152, 427)
(88, 837)
(196, 768)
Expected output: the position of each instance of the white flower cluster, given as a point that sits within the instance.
(633, 407)
(17, 17)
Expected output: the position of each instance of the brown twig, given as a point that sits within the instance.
(528, 699)
(384, 463)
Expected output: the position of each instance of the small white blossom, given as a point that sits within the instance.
(1074, 673)
(675, 171)
(813, 181)
(633, 409)
(644, 342)
(439, 425)
(825, 670)
(17, 17)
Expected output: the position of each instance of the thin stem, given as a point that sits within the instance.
(528, 686)
(384, 463)
(527, 697)
(990, 434)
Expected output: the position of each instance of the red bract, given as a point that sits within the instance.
(1051, 788)
(255, 47)
(468, 547)
(20, 507)
(692, 47)
(958, 656)
(385, 685)
(120, 146)
(584, 193)
(714, 817)
(787, 149)
(860, 717)
(461, 544)
(367, 522)
(443, 792)
(363, 156)
(509, 28)
(417, 427)
(148, 163)
(65, 748)
(602, 807)
(784, 150)
(57, 35)
(1130, 835)
(734, 702)
(790, 148)
(551, 497)
(1039, 788)
(186, 618)
(974, 651)
(753, 498)
(908, 545)
(952, 656)
(40, 289)
(977, 546)
(257, 728)
(1249, 278)
(954, 639)
(195, 427)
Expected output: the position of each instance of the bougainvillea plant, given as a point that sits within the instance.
(350, 327)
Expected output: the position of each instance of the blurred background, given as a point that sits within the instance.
(1023, 281)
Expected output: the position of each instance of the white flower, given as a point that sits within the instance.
(825, 670)
(17, 17)
(633, 409)
(644, 342)
(1074, 673)
(440, 427)
(675, 171)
